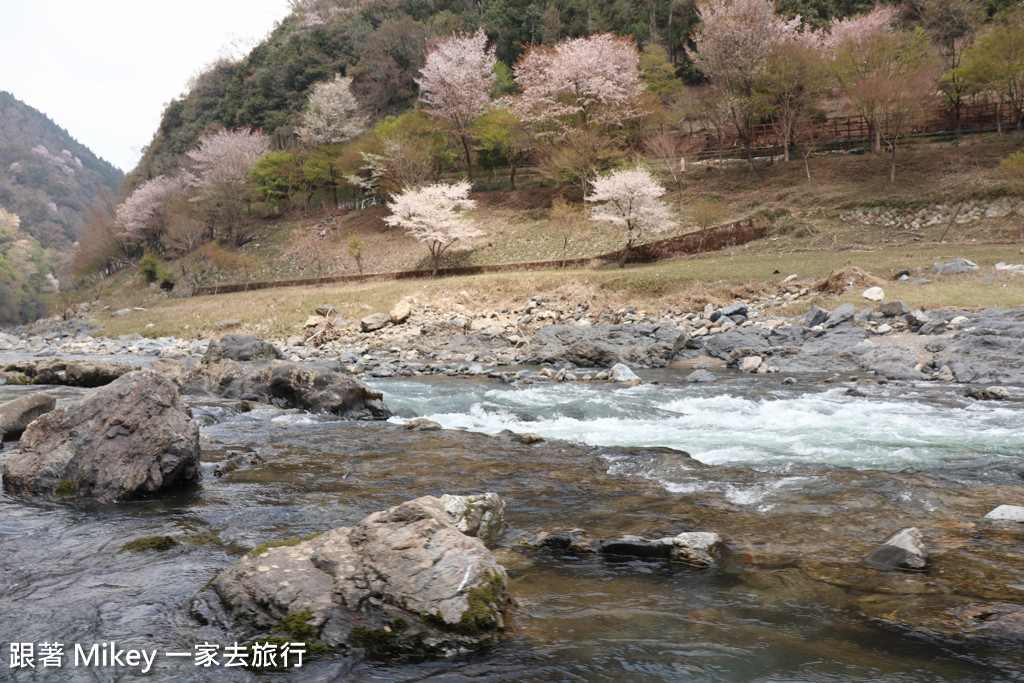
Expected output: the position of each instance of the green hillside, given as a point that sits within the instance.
(48, 178)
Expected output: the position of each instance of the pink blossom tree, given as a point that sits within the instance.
(436, 215)
(630, 199)
(455, 83)
(854, 32)
(222, 165)
(141, 219)
(884, 74)
(731, 46)
(580, 82)
(332, 114)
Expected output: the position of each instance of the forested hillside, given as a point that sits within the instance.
(48, 178)
(352, 103)
(382, 46)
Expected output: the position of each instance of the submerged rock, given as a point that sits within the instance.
(621, 373)
(695, 548)
(130, 439)
(422, 424)
(1009, 513)
(404, 581)
(16, 415)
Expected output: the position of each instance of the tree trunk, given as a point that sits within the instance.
(892, 167)
(624, 256)
(957, 106)
(469, 157)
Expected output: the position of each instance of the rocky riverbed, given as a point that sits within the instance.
(878, 341)
(922, 553)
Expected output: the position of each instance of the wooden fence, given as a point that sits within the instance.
(852, 133)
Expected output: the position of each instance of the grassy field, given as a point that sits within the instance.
(680, 285)
(811, 236)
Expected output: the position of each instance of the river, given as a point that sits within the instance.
(779, 452)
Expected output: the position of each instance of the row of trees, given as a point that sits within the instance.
(582, 107)
(763, 67)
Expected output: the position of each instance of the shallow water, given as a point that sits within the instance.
(587, 619)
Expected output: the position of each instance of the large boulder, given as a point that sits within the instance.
(130, 439)
(605, 345)
(314, 387)
(957, 265)
(987, 349)
(84, 373)
(404, 581)
(374, 322)
(16, 415)
(242, 348)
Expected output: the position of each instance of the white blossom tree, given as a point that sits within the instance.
(8, 219)
(141, 219)
(436, 216)
(221, 175)
(630, 199)
(455, 83)
(580, 82)
(332, 114)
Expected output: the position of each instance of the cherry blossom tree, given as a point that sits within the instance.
(435, 215)
(221, 175)
(854, 32)
(455, 83)
(884, 74)
(731, 45)
(332, 114)
(630, 199)
(579, 82)
(141, 219)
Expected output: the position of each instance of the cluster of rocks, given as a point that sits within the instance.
(134, 436)
(935, 214)
(886, 340)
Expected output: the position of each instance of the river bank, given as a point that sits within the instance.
(560, 339)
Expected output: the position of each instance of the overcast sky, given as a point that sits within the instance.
(104, 69)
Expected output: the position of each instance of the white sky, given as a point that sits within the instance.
(104, 69)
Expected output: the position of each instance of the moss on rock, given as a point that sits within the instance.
(158, 543)
(288, 542)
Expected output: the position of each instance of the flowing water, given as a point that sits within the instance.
(63, 580)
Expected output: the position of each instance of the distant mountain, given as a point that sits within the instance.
(47, 177)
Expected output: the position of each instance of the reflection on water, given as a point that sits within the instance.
(62, 577)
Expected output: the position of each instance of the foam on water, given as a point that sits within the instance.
(730, 424)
